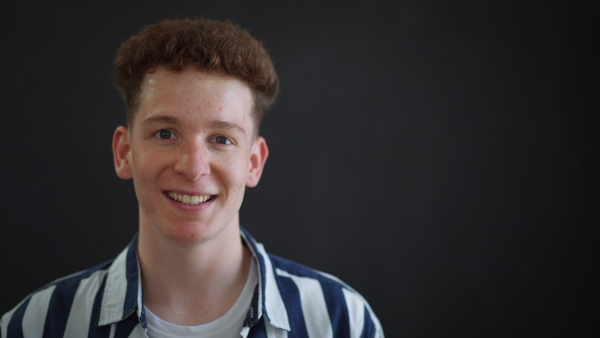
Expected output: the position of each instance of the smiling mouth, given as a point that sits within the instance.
(189, 200)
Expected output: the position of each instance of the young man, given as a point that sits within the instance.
(196, 92)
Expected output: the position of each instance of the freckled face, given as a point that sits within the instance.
(191, 153)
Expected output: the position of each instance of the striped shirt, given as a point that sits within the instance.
(290, 300)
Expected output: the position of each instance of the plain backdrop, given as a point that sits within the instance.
(438, 156)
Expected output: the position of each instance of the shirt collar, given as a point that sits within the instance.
(122, 286)
(123, 293)
(267, 298)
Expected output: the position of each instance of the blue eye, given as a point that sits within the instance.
(165, 134)
(221, 140)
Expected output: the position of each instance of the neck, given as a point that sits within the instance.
(192, 283)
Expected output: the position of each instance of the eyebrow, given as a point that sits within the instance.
(161, 119)
(217, 124)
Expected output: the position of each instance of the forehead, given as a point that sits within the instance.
(193, 94)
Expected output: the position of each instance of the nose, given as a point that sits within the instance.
(193, 160)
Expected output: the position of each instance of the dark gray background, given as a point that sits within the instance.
(439, 156)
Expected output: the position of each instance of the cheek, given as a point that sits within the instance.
(234, 171)
(147, 166)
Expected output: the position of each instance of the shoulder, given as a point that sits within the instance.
(54, 302)
(308, 302)
(321, 296)
(290, 269)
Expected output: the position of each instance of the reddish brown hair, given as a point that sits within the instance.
(204, 44)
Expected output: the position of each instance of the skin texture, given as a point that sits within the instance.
(192, 134)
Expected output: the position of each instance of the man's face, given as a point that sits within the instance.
(191, 153)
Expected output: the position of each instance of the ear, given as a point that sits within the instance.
(258, 157)
(121, 153)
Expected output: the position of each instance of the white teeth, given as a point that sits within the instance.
(187, 199)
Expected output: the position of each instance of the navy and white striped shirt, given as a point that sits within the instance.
(290, 300)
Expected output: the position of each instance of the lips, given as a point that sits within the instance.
(189, 199)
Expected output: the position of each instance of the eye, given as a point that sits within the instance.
(221, 140)
(165, 134)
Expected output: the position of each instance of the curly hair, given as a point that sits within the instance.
(207, 45)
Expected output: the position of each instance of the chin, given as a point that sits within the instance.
(191, 234)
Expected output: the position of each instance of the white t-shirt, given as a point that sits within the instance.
(229, 325)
